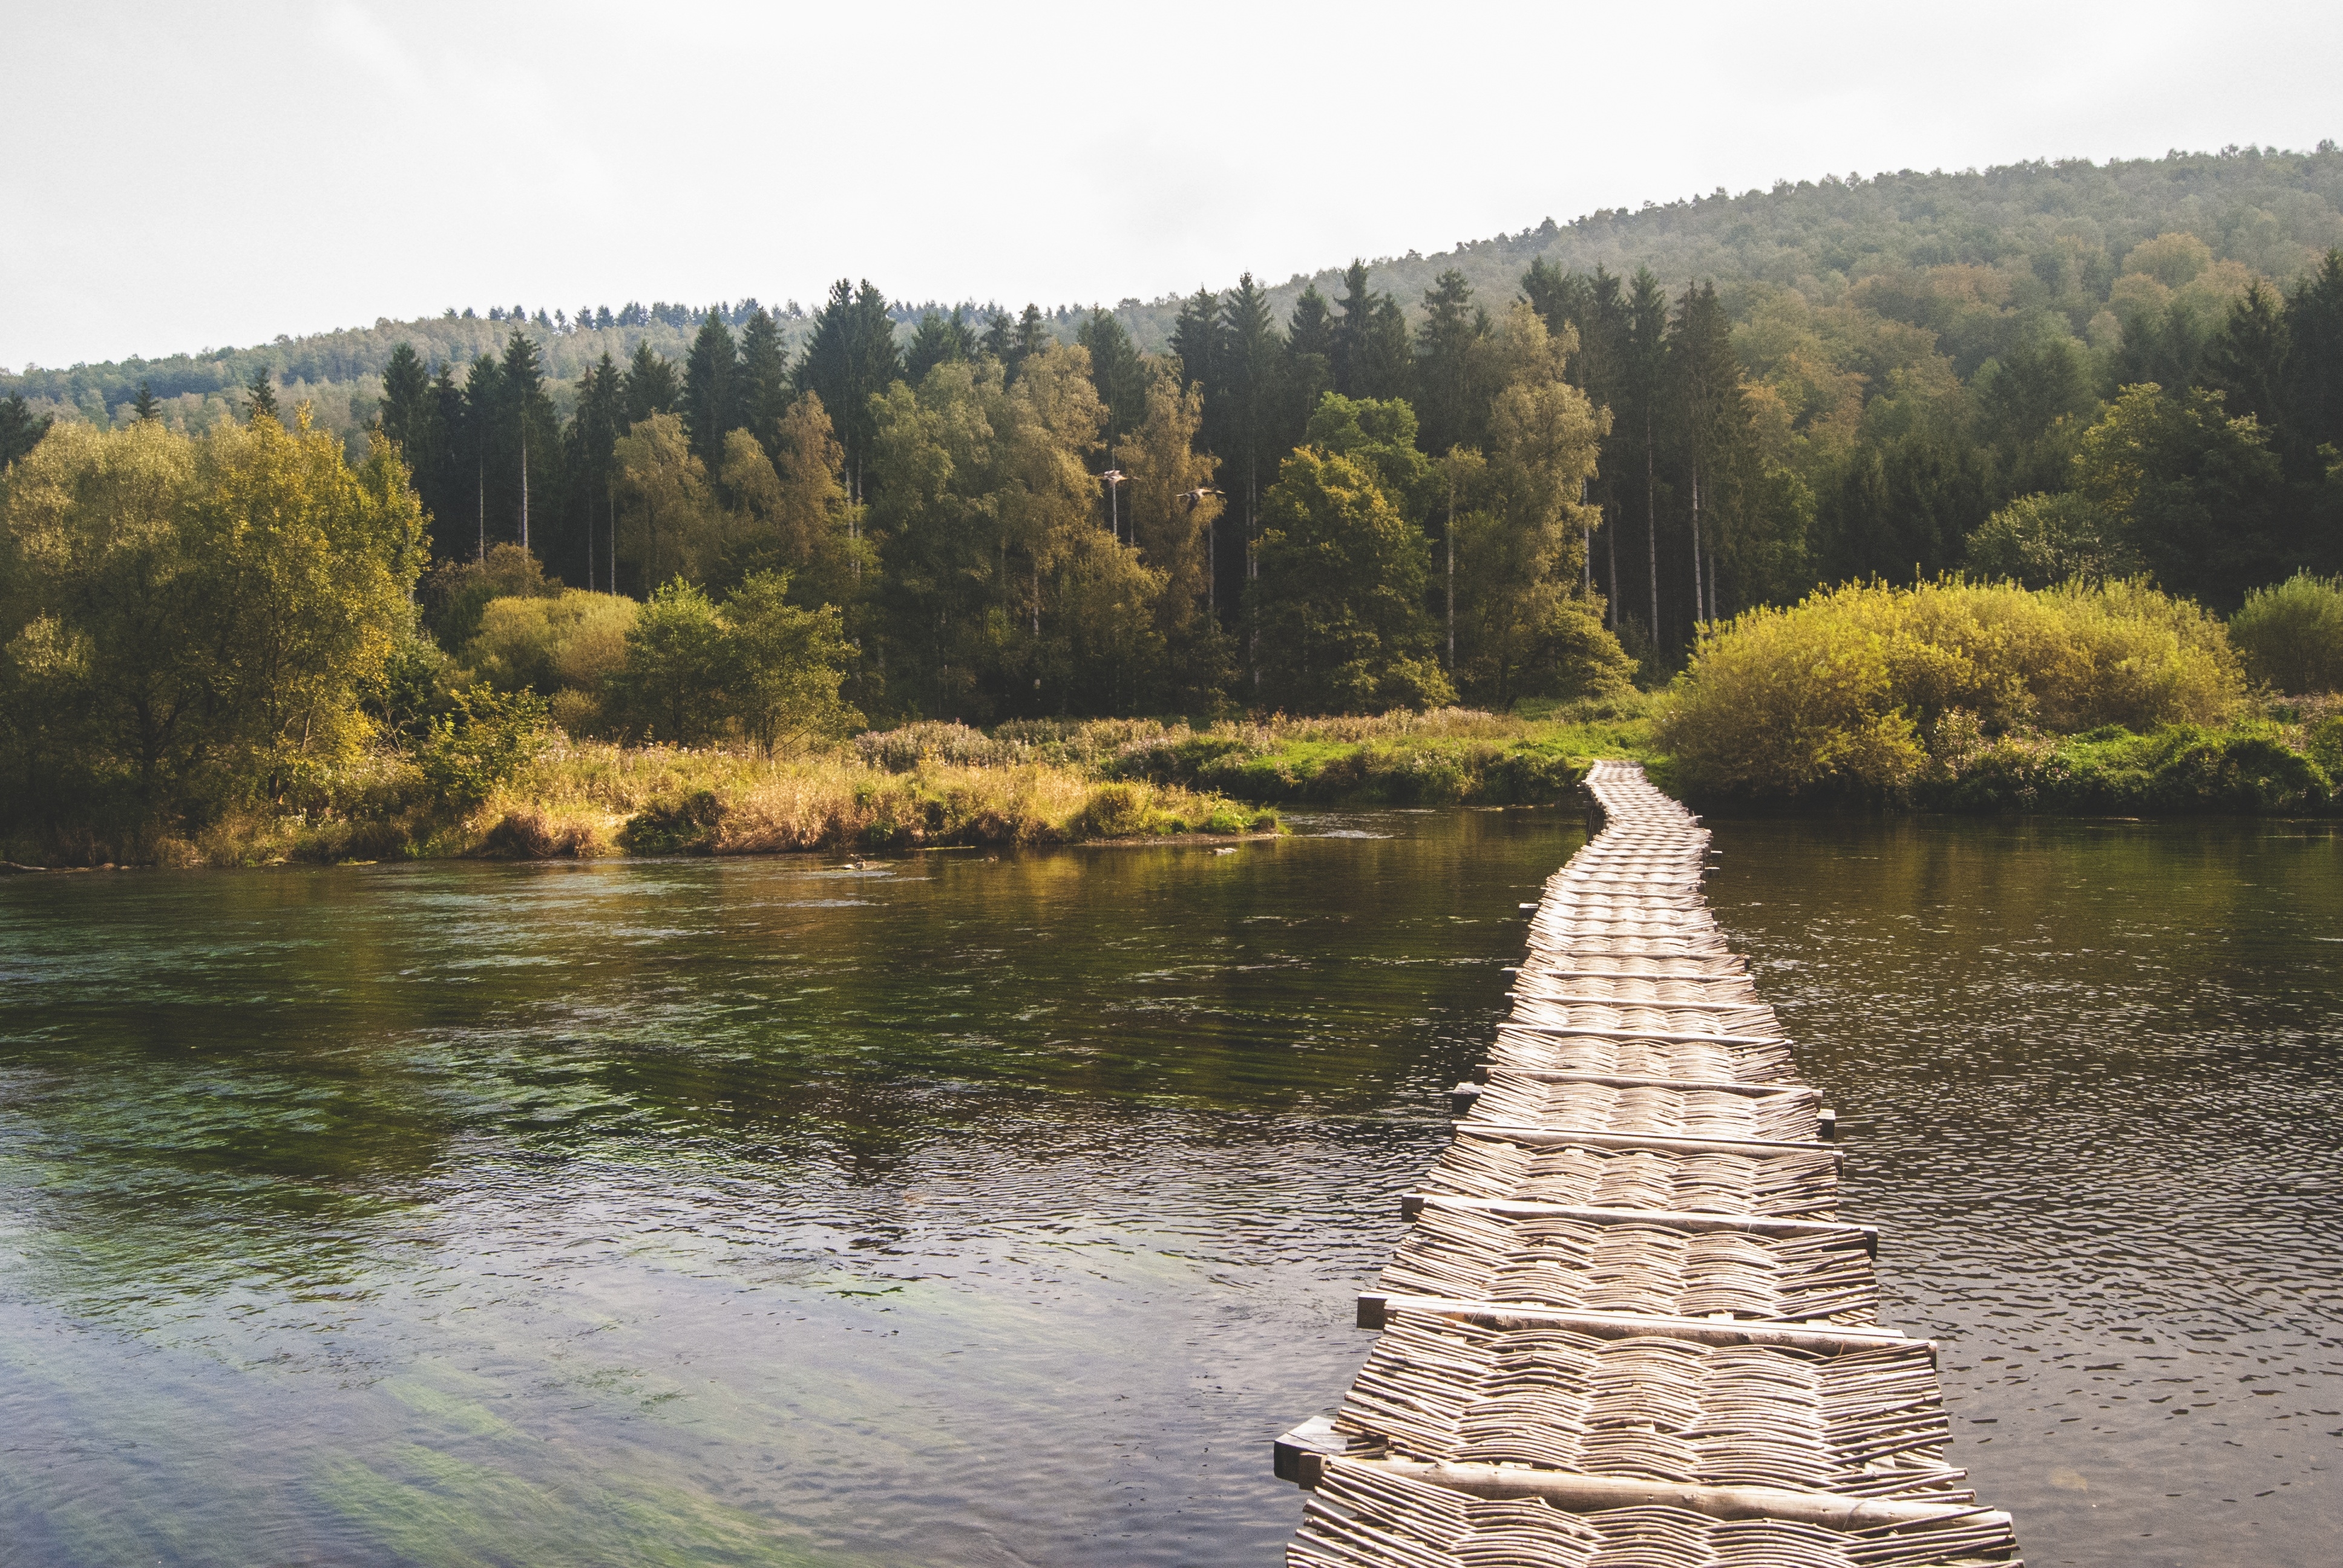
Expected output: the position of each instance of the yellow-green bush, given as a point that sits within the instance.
(548, 645)
(2292, 633)
(1837, 692)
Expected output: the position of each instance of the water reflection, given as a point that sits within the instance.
(969, 1212)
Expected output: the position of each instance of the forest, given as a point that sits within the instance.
(1529, 479)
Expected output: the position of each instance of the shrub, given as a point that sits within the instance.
(2040, 540)
(1836, 693)
(488, 738)
(2292, 633)
(548, 645)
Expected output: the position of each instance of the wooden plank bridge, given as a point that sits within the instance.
(1627, 1325)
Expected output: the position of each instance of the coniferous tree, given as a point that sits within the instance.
(1642, 406)
(1243, 408)
(938, 340)
(1115, 370)
(480, 448)
(651, 385)
(20, 428)
(762, 389)
(709, 397)
(529, 439)
(260, 395)
(594, 432)
(1310, 352)
(143, 407)
(2314, 377)
(1712, 418)
(1032, 337)
(1000, 339)
(1195, 336)
(851, 358)
(2247, 362)
(1452, 406)
(1352, 328)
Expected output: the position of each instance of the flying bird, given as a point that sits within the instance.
(1190, 499)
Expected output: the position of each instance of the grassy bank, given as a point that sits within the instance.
(1445, 757)
(580, 798)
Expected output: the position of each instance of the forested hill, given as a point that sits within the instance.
(1970, 257)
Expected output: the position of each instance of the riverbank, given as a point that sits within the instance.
(576, 799)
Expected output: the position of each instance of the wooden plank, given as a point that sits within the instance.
(1560, 1137)
(1410, 1205)
(1593, 1493)
(1831, 1339)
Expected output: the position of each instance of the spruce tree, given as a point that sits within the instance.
(1308, 369)
(651, 385)
(406, 397)
(761, 389)
(1242, 404)
(1032, 337)
(709, 398)
(1195, 336)
(1452, 408)
(1352, 328)
(480, 449)
(1115, 370)
(531, 435)
(20, 428)
(145, 408)
(851, 358)
(938, 340)
(1641, 394)
(594, 432)
(1712, 418)
(261, 397)
(2314, 379)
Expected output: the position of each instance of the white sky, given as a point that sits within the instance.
(179, 176)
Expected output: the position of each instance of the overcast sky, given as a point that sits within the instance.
(180, 177)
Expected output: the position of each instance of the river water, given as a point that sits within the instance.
(963, 1210)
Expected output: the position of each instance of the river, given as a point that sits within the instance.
(975, 1211)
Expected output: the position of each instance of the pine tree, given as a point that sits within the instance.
(261, 397)
(709, 398)
(145, 408)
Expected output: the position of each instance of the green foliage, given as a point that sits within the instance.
(756, 667)
(1340, 598)
(2179, 768)
(2042, 539)
(564, 647)
(192, 626)
(2292, 633)
(2195, 491)
(455, 593)
(482, 745)
(1840, 694)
